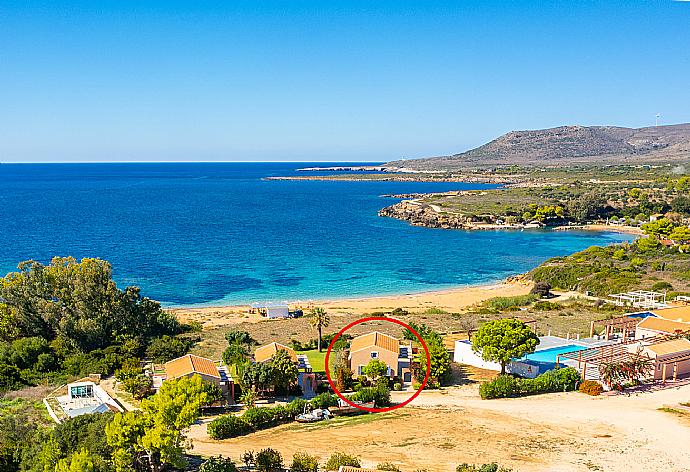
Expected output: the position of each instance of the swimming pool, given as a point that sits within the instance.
(549, 355)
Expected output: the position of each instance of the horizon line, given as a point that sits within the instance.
(191, 162)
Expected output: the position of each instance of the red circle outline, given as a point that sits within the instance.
(377, 318)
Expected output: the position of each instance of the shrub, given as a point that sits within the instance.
(259, 418)
(509, 303)
(338, 459)
(501, 387)
(324, 400)
(590, 387)
(397, 386)
(295, 407)
(546, 306)
(268, 460)
(303, 462)
(492, 467)
(228, 426)
(658, 286)
(557, 380)
(218, 464)
(10, 378)
(389, 466)
(379, 395)
(139, 386)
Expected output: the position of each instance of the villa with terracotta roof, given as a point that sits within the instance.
(653, 326)
(672, 358)
(674, 313)
(266, 353)
(306, 378)
(376, 345)
(209, 371)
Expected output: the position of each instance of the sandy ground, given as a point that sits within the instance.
(555, 432)
(601, 227)
(451, 300)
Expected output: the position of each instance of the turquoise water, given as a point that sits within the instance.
(549, 355)
(209, 233)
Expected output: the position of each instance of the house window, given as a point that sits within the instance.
(359, 370)
(374, 355)
(82, 391)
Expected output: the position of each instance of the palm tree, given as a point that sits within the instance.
(319, 319)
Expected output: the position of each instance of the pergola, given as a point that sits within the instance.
(620, 352)
(673, 361)
(640, 299)
(623, 324)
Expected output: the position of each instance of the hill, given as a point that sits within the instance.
(566, 145)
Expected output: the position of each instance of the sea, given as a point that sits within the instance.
(203, 234)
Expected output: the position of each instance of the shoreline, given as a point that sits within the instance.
(447, 299)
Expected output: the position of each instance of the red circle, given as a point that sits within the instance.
(377, 318)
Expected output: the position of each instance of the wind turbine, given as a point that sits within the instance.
(658, 115)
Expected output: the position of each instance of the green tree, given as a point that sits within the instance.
(79, 462)
(647, 244)
(503, 340)
(285, 371)
(680, 234)
(155, 437)
(10, 378)
(318, 320)
(681, 204)
(258, 377)
(440, 364)
(167, 348)
(240, 337)
(375, 368)
(78, 301)
(659, 228)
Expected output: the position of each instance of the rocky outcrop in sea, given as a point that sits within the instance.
(421, 214)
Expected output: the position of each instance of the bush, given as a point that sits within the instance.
(501, 387)
(397, 386)
(381, 396)
(259, 418)
(509, 303)
(590, 387)
(303, 462)
(139, 386)
(546, 306)
(324, 400)
(10, 378)
(338, 459)
(389, 466)
(218, 464)
(492, 467)
(268, 460)
(557, 380)
(228, 426)
(658, 286)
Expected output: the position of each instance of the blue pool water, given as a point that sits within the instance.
(218, 233)
(549, 355)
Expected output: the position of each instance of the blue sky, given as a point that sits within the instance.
(326, 80)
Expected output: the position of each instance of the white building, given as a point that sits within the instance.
(81, 398)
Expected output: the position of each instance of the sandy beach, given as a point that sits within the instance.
(451, 300)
